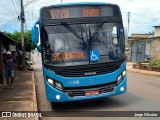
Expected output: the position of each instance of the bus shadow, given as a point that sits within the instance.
(99, 104)
(103, 104)
(76, 105)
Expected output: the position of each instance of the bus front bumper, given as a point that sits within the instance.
(54, 95)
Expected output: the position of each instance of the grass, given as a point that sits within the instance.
(154, 62)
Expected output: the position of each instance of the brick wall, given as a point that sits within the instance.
(155, 48)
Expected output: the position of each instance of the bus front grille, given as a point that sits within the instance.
(90, 70)
(86, 70)
(80, 91)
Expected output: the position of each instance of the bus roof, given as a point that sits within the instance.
(81, 3)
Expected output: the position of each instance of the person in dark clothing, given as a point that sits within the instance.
(9, 64)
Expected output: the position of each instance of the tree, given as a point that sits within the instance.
(27, 38)
(28, 41)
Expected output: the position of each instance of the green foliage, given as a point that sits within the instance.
(16, 36)
(27, 39)
(155, 62)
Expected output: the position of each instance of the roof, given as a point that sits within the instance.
(5, 38)
(142, 39)
(81, 3)
(156, 26)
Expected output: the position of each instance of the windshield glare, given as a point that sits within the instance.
(68, 45)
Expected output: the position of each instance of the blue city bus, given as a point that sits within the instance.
(82, 48)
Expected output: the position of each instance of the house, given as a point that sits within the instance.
(144, 46)
(157, 31)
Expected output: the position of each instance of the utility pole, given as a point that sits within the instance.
(128, 20)
(22, 34)
(61, 1)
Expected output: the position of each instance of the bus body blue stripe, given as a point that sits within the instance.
(85, 81)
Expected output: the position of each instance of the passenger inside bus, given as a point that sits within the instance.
(114, 53)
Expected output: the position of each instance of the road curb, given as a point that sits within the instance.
(35, 104)
(144, 72)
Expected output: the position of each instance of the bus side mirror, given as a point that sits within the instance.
(35, 36)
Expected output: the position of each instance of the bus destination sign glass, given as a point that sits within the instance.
(68, 56)
(77, 12)
(66, 13)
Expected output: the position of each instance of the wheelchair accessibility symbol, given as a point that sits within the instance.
(94, 55)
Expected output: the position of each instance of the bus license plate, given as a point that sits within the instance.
(91, 92)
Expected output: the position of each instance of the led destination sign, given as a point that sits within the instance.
(79, 11)
(66, 13)
(67, 56)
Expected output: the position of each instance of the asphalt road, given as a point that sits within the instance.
(143, 94)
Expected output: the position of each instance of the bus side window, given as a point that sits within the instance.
(114, 35)
(45, 37)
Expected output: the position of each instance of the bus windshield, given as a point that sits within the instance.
(68, 45)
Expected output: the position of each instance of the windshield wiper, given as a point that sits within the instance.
(72, 30)
(98, 28)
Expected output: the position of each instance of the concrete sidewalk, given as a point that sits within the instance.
(22, 97)
(131, 69)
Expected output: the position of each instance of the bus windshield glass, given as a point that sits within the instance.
(69, 45)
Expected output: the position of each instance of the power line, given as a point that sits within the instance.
(10, 27)
(8, 8)
(5, 11)
(40, 4)
(18, 3)
(32, 12)
(15, 8)
(26, 18)
(8, 23)
(30, 2)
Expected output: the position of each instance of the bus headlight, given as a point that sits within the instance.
(121, 76)
(58, 85)
(50, 81)
(124, 73)
(55, 84)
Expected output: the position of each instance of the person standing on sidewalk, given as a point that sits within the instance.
(9, 64)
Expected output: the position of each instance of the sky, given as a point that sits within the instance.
(144, 14)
